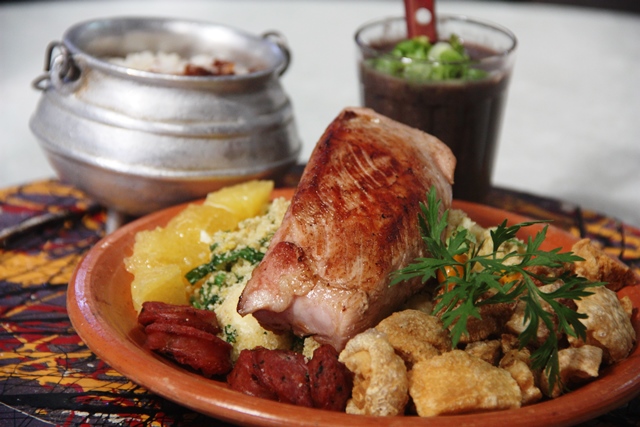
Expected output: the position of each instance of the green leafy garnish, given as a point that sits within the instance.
(230, 334)
(203, 302)
(219, 262)
(416, 59)
(470, 280)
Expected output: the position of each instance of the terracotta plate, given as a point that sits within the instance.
(100, 308)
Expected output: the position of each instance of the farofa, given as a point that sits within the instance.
(222, 289)
(458, 219)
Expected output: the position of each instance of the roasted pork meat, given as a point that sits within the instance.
(353, 220)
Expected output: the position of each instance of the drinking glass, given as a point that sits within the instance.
(465, 113)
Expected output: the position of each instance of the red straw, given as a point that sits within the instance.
(421, 18)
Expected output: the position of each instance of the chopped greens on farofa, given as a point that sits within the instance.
(217, 285)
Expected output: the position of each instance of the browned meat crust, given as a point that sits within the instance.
(352, 222)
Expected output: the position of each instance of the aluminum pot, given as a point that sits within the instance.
(137, 141)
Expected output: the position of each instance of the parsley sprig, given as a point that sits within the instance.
(472, 280)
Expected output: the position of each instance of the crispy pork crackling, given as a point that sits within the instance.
(353, 220)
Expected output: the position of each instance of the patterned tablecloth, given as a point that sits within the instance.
(49, 377)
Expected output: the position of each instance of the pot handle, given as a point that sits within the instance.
(281, 42)
(59, 68)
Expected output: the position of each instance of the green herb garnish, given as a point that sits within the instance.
(230, 334)
(416, 59)
(459, 295)
(204, 302)
(220, 262)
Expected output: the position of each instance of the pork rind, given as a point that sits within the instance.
(577, 365)
(422, 301)
(489, 351)
(600, 267)
(608, 324)
(456, 383)
(518, 364)
(415, 335)
(516, 324)
(627, 305)
(509, 342)
(458, 219)
(491, 322)
(380, 384)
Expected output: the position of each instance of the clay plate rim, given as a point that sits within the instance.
(100, 309)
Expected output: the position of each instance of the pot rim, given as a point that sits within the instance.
(78, 36)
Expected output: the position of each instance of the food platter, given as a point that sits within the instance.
(101, 310)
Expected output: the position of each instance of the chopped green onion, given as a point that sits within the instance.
(418, 60)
